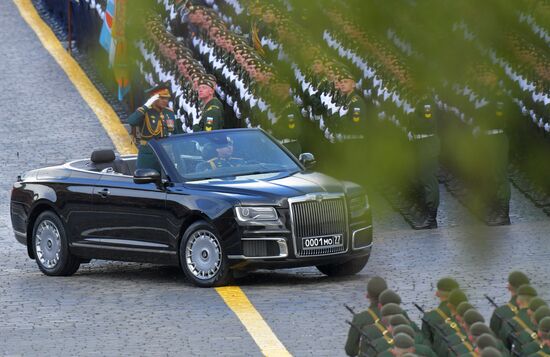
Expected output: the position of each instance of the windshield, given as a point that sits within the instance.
(226, 154)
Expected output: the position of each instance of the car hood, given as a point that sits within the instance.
(274, 189)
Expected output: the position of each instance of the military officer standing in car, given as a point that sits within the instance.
(154, 120)
(212, 112)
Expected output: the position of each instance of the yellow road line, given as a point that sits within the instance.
(104, 112)
(260, 331)
(233, 296)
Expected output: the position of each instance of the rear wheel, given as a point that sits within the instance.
(51, 247)
(350, 267)
(202, 258)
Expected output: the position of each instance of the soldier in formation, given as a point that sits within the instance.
(521, 327)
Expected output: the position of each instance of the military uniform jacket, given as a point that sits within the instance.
(154, 124)
(501, 313)
(520, 322)
(212, 116)
(419, 350)
(362, 320)
(544, 352)
(432, 319)
(352, 122)
(289, 122)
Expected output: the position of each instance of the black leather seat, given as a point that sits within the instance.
(104, 159)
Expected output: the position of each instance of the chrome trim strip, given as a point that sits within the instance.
(316, 197)
(283, 249)
(108, 247)
(353, 238)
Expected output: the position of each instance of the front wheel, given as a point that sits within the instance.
(51, 247)
(202, 258)
(350, 267)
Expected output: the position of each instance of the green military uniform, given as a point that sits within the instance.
(212, 116)
(495, 147)
(533, 347)
(544, 352)
(354, 121)
(288, 128)
(153, 124)
(502, 313)
(217, 163)
(361, 320)
(434, 318)
(520, 322)
(426, 147)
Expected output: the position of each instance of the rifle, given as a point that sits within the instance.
(512, 335)
(349, 309)
(436, 327)
(364, 336)
(433, 326)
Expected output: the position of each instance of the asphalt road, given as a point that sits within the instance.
(112, 308)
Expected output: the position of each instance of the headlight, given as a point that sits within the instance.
(358, 205)
(256, 214)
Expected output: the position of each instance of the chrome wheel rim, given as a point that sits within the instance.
(203, 255)
(47, 244)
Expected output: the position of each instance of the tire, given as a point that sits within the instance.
(51, 247)
(202, 258)
(350, 267)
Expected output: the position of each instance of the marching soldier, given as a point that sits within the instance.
(507, 311)
(541, 347)
(521, 320)
(154, 120)
(441, 313)
(375, 286)
(212, 112)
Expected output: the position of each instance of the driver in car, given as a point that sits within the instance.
(222, 150)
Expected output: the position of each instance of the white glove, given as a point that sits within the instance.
(150, 101)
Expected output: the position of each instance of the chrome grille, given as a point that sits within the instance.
(317, 216)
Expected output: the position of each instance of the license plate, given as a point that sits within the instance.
(323, 242)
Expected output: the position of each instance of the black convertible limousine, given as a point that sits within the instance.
(223, 201)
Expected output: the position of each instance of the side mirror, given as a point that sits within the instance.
(307, 159)
(142, 176)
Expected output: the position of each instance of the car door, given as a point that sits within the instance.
(130, 217)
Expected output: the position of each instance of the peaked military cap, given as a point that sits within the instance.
(207, 81)
(220, 141)
(402, 340)
(517, 279)
(527, 290)
(479, 328)
(544, 325)
(398, 319)
(389, 296)
(404, 329)
(375, 286)
(391, 309)
(163, 90)
(463, 307)
(447, 284)
(486, 340)
(456, 297)
(541, 313)
(472, 316)
(535, 303)
(490, 352)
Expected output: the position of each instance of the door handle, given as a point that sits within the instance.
(104, 193)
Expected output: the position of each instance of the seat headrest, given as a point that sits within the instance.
(102, 156)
